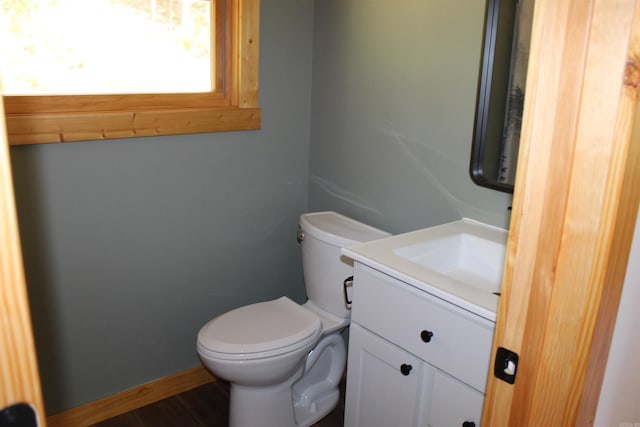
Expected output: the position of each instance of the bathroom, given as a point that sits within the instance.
(131, 245)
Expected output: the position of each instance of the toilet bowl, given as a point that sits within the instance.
(259, 344)
(284, 360)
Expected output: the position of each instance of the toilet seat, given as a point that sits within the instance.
(258, 331)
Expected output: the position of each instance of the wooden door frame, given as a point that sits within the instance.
(574, 211)
(19, 379)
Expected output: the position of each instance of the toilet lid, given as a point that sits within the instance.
(260, 328)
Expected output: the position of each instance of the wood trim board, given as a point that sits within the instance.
(128, 400)
(19, 377)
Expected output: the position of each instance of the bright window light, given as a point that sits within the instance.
(84, 47)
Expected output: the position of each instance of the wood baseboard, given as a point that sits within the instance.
(128, 400)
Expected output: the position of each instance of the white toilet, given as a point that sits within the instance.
(284, 360)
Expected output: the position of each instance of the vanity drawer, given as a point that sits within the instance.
(444, 335)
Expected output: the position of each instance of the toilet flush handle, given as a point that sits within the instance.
(348, 282)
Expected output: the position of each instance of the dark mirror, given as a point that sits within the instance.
(500, 101)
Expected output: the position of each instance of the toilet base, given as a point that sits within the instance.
(317, 410)
(272, 406)
(301, 400)
(267, 406)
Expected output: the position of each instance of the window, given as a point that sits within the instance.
(216, 91)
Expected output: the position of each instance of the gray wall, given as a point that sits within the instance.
(393, 101)
(132, 245)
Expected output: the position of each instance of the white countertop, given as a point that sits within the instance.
(389, 255)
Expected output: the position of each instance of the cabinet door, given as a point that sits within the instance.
(383, 382)
(454, 403)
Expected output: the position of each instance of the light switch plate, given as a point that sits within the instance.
(506, 365)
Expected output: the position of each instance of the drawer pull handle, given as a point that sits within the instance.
(426, 336)
(468, 424)
(405, 369)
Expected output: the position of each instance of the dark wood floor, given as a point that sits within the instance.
(207, 405)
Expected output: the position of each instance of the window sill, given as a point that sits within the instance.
(48, 128)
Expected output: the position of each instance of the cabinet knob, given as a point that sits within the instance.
(405, 369)
(426, 337)
(468, 424)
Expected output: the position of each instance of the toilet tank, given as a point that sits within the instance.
(325, 269)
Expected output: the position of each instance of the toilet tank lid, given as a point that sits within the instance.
(338, 230)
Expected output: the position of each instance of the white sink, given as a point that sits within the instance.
(461, 262)
(463, 257)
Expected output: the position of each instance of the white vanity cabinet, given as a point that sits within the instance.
(414, 359)
(383, 383)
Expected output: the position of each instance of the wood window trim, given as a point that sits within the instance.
(47, 119)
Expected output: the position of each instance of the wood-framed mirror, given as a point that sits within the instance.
(500, 98)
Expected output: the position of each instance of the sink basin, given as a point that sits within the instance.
(460, 262)
(461, 256)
